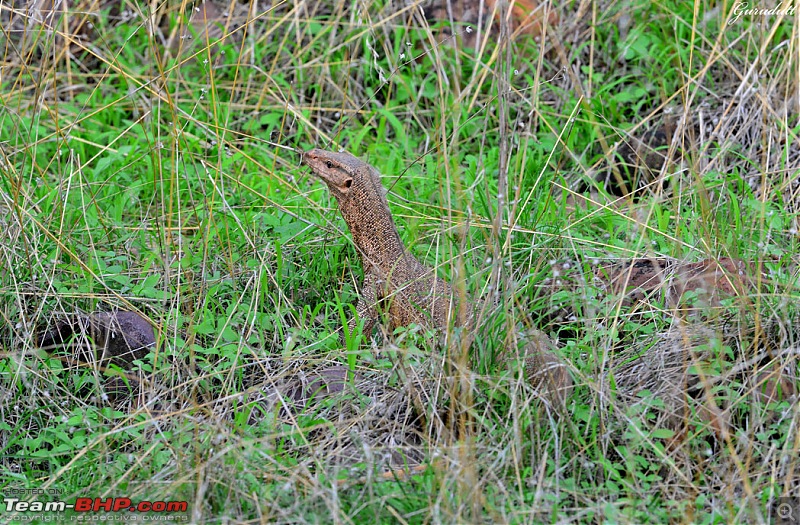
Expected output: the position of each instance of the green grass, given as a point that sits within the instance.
(146, 166)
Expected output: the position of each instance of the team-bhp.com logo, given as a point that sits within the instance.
(89, 506)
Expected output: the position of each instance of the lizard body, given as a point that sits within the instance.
(395, 281)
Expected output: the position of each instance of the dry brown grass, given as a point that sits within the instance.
(227, 413)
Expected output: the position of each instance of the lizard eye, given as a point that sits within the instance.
(329, 164)
(348, 183)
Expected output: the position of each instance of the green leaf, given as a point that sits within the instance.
(206, 327)
(397, 126)
(662, 433)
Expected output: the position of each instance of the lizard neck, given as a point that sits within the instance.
(375, 235)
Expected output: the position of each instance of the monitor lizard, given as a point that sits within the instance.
(395, 282)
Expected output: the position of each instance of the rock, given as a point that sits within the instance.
(317, 385)
(117, 337)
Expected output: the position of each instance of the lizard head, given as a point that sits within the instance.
(337, 170)
(342, 173)
(362, 201)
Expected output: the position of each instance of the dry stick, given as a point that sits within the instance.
(503, 68)
(465, 393)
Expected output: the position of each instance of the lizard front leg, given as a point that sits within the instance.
(366, 308)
